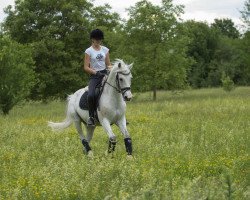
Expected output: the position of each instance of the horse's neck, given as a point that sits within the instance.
(110, 93)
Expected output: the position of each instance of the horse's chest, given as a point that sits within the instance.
(112, 113)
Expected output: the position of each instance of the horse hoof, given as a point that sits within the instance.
(109, 154)
(90, 154)
(130, 157)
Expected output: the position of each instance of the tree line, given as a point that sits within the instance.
(43, 42)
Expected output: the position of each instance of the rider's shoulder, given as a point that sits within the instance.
(106, 49)
(89, 50)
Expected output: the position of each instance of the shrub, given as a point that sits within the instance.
(227, 83)
(17, 75)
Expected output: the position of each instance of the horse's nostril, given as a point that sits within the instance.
(127, 99)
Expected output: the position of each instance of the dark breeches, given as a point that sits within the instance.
(93, 82)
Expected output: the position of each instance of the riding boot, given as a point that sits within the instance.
(91, 121)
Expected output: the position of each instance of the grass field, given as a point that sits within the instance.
(190, 145)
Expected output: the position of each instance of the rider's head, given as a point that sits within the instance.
(96, 35)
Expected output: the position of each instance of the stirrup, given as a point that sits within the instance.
(91, 121)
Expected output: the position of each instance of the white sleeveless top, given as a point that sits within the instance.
(97, 58)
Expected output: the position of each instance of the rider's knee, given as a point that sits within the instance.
(91, 96)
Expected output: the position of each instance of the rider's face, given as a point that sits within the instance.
(96, 42)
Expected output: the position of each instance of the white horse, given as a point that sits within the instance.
(111, 110)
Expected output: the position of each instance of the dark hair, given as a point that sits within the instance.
(97, 34)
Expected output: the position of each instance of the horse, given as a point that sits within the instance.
(111, 110)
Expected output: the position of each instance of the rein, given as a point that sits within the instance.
(118, 88)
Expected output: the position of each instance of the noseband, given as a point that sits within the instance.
(118, 88)
(125, 89)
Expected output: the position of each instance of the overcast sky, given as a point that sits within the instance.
(199, 10)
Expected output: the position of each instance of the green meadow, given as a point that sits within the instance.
(187, 145)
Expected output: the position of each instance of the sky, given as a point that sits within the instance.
(199, 10)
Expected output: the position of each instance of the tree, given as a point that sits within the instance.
(246, 13)
(56, 30)
(226, 27)
(17, 76)
(59, 33)
(153, 42)
(202, 47)
(243, 47)
(230, 60)
(102, 17)
(227, 63)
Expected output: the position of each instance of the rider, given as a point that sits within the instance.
(96, 63)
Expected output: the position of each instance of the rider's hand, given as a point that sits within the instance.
(99, 74)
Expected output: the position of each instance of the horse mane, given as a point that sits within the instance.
(115, 65)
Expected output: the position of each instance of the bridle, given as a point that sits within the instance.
(118, 86)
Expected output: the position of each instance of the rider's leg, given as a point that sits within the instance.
(93, 82)
(91, 100)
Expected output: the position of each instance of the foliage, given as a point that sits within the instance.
(102, 17)
(216, 50)
(226, 27)
(168, 54)
(231, 57)
(17, 75)
(244, 49)
(202, 47)
(227, 60)
(188, 146)
(246, 14)
(59, 33)
(153, 39)
(227, 83)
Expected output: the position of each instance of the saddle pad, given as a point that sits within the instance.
(83, 104)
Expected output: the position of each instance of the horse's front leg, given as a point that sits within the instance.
(112, 138)
(127, 139)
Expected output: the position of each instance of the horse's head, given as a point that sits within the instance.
(123, 75)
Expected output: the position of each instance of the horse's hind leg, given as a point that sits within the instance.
(85, 143)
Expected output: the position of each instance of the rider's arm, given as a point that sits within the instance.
(107, 61)
(87, 65)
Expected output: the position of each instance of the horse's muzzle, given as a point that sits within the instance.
(127, 95)
(127, 99)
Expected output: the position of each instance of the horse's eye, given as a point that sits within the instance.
(120, 79)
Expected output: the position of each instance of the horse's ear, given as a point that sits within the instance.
(119, 65)
(131, 66)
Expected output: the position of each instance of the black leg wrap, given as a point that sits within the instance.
(128, 145)
(86, 145)
(112, 144)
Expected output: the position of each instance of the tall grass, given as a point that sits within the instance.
(188, 145)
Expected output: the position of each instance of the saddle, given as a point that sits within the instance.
(83, 103)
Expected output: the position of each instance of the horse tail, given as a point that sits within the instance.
(69, 116)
